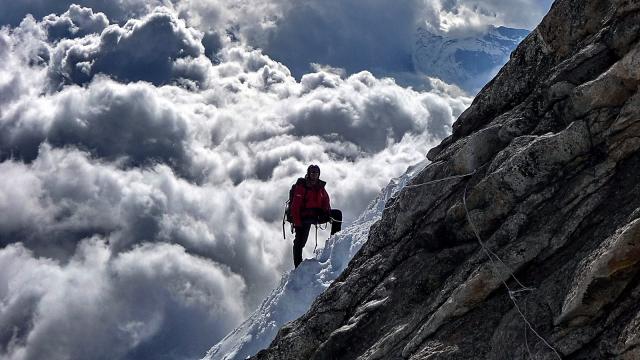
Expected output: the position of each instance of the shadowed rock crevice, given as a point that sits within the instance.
(522, 238)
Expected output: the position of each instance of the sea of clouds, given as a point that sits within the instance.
(147, 148)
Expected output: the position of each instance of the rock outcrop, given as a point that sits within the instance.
(522, 238)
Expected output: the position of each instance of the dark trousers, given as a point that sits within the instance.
(302, 232)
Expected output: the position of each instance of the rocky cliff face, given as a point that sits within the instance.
(522, 238)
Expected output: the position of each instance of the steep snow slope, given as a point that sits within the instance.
(298, 288)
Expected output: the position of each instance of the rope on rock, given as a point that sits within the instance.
(491, 255)
(436, 181)
(526, 330)
(443, 179)
(511, 293)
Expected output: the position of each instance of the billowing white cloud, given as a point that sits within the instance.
(145, 219)
(152, 208)
(75, 22)
(14, 11)
(464, 17)
(373, 35)
(351, 34)
(23, 52)
(100, 306)
(139, 50)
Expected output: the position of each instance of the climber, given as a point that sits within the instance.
(310, 206)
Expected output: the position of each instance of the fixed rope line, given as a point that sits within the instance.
(516, 292)
(510, 292)
(440, 180)
(321, 228)
(488, 251)
(526, 342)
(435, 182)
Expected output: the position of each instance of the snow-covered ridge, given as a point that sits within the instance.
(299, 287)
(469, 62)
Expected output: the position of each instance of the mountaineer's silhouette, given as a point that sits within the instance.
(308, 205)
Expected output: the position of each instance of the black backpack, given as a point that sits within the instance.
(287, 217)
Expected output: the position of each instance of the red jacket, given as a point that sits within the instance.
(309, 201)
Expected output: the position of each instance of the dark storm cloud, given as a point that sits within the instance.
(75, 22)
(14, 11)
(120, 123)
(139, 50)
(349, 34)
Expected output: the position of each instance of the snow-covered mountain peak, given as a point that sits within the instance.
(466, 61)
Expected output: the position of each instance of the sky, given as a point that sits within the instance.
(147, 149)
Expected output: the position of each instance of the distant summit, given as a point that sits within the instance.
(468, 62)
